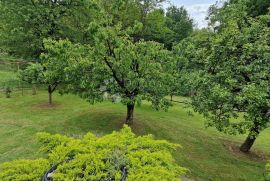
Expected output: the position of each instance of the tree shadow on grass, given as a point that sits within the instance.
(99, 123)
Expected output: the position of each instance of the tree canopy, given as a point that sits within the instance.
(235, 81)
(26, 23)
(114, 64)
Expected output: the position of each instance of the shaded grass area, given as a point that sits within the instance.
(204, 151)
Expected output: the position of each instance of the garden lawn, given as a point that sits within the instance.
(208, 154)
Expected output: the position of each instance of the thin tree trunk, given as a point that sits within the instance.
(51, 89)
(21, 84)
(50, 94)
(246, 146)
(130, 111)
(171, 98)
(50, 98)
(34, 90)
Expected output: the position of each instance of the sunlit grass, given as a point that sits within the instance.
(203, 152)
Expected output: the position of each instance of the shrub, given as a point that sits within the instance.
(100, 158)
(23, 170)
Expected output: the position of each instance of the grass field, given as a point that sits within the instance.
(208, 154)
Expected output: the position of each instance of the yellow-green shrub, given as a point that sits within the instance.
(23, 170)
(94, 158)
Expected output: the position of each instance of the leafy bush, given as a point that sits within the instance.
(99, 158)
(22, 170)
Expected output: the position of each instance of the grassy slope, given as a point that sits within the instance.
(203, 151)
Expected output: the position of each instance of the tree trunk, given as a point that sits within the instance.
(50, 98)
(51, 89)
(171, 98)
(50, 94)
(246, 146)
(34, 90)
(130, 110)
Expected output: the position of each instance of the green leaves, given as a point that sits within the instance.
(22, 32)
(235, 73)
(23, 170)
(95, 158)
(113, 64)
(33, 74)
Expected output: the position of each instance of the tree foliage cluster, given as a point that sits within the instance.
(231, 64)
(98, 158)
(27, 23)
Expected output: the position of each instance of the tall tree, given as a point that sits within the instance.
(190, 55)
(236, 77)
(116, 65)
(148, 12)
(254, 7)
(220, 14)
(26, 23)
(179, 22)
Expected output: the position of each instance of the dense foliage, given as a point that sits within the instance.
(26, 23)
(179, 22)
(97, 158)
(20, 170)
(232, 74)
(114, 64)
(190, 55)
(32, 75)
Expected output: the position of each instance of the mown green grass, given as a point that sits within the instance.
(7, 75)
(203, 151)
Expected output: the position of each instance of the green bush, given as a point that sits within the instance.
(98, 158)
(23, 170)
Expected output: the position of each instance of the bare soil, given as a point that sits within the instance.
(255, 155)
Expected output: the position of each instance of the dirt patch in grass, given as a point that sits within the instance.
(45, 105)
(255, 155)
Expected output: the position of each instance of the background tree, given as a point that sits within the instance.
(166, 28)
(32, 75)
(179, 22)
(220, 14)
(26, 23)
(36, 73)
(236, 79)
(54, 60)
(254, 7)
(190, 56)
